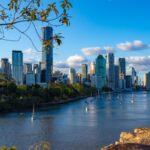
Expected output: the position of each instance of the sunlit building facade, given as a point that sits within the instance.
(72, 76)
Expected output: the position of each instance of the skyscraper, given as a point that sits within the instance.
(27, 68)
(147, 81)
(92, 68)
(17, 66)
(36, 72)
(84, 72)
(116, 70)
(110, 75)
(122, 73)
(47, 53)
(122, 68)
(72, 76)
(5, 67)
(131, 71)
(100, 72)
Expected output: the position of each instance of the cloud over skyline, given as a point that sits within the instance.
(31, 56)
(97, 50)
(76, 60)
(141, 63)
(61, 65)
(72, 61)
(136, 45)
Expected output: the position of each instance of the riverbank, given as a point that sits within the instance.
(22, 98)
(61, 101)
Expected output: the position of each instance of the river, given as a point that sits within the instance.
(87, 124)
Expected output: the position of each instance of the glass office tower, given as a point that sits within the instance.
(17, 66)
(47, 53)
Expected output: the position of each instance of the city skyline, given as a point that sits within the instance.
(125, 33)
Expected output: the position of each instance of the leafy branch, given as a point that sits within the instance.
(21, 12)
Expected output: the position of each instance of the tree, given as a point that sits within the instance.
(30, 12)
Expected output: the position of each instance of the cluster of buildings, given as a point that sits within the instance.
(26, 73)
(103, 73)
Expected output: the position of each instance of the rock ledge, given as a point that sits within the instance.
(138, 140)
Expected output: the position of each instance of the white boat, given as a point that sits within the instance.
(86, 109)
(33, 111)
(132, 99)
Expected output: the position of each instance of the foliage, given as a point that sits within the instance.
(14, 97)
(7, 148)
(30, 12)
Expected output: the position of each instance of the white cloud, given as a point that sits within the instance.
(61, 65)
(76, 60)
(108, 49)
(97, 50)
(91, 51)
(31, 56)
(72, 61)
(31, 60)
(133, 46)
(141, 63)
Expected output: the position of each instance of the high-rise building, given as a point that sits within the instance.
(72, 76)
(27, 68)
(110, 74)
(17, 66)
(30, 78)
(92, 68)
(128, 81)
(100, 72)
(47, 53)
(147, 81)
(5, 67)
(122, 68)
(84, 72)
(36, 72)
(122, 73)
(42, 72)
(131, 71)
(116, 71)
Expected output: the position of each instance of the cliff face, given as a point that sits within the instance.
(138, 140)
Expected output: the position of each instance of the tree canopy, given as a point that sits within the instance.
(16, 12)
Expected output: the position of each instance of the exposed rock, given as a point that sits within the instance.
(138, 140)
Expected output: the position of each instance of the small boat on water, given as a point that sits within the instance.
(132, 99)
(33, 112)
(86, 109)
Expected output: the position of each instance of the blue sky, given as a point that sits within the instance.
(98, 25)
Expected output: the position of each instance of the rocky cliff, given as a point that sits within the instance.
(138, 140)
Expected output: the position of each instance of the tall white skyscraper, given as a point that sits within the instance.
(110, 74)
(17, 66)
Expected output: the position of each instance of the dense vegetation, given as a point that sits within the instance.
(7, 148)
(14, 97)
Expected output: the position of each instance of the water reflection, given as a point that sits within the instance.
(84, 125)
